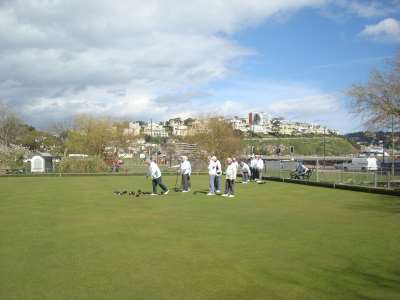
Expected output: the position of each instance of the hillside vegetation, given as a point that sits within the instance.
(302, 145)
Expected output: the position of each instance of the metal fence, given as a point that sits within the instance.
(129, 166)
(282, 169)
(378, 179)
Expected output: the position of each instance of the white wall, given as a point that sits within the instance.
(37, 164)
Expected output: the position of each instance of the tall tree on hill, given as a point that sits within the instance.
(219, 140)
(378, 101)
(89, 135)
(120, 136)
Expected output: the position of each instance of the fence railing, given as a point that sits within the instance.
(283, 170)
(376, 179)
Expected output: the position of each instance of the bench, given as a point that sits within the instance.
(305, 176)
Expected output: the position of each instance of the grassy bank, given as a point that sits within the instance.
(302, 145)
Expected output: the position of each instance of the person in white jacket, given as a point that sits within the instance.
(230, 179)
(246, 173)
(212, 173)
(186, 171)
(235, 163)
(218, 176)
(156, 178)
(260, 168)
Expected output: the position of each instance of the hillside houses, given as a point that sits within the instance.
(261, 123)
(256, 122)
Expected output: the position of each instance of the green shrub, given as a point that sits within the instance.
(82, 165)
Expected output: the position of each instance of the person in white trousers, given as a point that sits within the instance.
(218, 176)
(260, 168)
(212, 173)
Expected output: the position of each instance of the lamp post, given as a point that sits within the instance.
(324, 146)
(392, 145)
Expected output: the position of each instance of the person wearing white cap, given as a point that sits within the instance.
(155, 173)
(212, 173)
(230, 179)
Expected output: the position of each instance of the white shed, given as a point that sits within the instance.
(41, 163)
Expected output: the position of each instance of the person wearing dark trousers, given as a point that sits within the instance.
(186, 170)
(230, 179)
(158, 182)
(246, 173)
(156, 178)
(253, 169)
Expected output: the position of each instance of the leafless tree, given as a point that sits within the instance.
(10, 125)
(378, 101)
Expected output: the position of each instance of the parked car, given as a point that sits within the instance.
(359, 164)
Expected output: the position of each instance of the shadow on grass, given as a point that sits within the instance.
(392, 207)
(200, 192)
(361, 284)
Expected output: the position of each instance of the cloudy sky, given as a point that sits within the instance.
(164, 58)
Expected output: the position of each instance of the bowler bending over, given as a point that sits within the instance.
(155, 173)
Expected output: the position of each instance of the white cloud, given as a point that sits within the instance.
(308, 106)
(293, 101)
(296, 101)
(370, 9)
(64, 57)
(345, 10)
(137, 59)
(386, 30)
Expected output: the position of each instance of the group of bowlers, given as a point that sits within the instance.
(252, 171)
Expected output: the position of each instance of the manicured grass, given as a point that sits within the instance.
(71, 238)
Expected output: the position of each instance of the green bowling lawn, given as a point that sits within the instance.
(71, 238)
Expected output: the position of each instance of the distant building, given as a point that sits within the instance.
(287, 128)
(133, 129)
(177, 127)
(180, 130)
(155, 130)
(240, 124)
(259, 122)
(198, 127)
